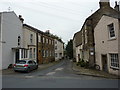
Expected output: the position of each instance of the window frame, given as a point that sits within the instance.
(31, 38)
(114, 61)
(111, 31)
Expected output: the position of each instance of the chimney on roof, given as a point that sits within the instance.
(104, 3)
(116, 6)
(47, 31)
(21, 19)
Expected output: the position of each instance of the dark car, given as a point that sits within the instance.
(25, 65)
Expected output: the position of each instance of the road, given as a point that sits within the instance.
(60, 75)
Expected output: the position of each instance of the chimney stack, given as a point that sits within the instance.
(21, 19)
(104, 3)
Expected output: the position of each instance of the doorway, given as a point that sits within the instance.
(104, 63)
(17, 55)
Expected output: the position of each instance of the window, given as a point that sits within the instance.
(43, 52)
(30, 62)
(85, 36)
(55, 47)
(60, 54)
(111, 31)
(46, 40)
(31, 38)
(22, 53)
(39, 38)
(46, 53)
(43, 40)
(50, 53)
(34, 53)
(55, 54)
(30, 52)
(55, 42)
(114, 60)
(26, 53)
(19, 39)
(51, 42)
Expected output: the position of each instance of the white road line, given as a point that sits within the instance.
(29, 76)
(50, 73)
(58, 69)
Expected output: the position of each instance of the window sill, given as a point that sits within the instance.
(114, 68)
(111, 39)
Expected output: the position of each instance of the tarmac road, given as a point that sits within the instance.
(60, 75)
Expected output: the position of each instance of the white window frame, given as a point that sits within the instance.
(34, 53)
(43, 39)
(31, 38)
(55, 47)
(86, 36)
(56, 55)
(114, 60)
(111, 31)
(22, 53)
(19, 40)
(39, 38)
(30, 53)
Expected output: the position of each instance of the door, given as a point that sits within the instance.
(17, 55)
(40, 57)
(30, 65)
(104, 63)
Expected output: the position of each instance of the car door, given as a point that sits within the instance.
(34, 64)
(30, 65)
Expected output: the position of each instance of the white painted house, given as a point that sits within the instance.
(106, 44)
(11, 38)
(59, 49)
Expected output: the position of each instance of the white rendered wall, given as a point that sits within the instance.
(109, 46)
(59, 49)
(11, 29)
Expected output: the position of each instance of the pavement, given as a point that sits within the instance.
(40, 67)
(92, 72)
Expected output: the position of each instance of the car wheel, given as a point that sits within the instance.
(37, 67)
(15, 70)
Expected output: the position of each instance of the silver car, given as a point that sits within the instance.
(25, 65)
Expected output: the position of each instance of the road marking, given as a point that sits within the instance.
(50, 73)
(29, 76)
(58, 69)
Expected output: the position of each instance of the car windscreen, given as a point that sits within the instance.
(21, 62)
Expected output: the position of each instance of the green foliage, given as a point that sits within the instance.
(82, 63)
(69, 49)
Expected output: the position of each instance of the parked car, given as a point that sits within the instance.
(25, 65)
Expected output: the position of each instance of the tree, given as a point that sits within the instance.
(69, 49)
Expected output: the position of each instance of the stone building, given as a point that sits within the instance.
(30, 42)
(77, 46)
(39, 43)
(47, 48)
(88, 42)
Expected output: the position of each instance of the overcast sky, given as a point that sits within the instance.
(61, 17)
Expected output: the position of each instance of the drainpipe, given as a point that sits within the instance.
(37, 46)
